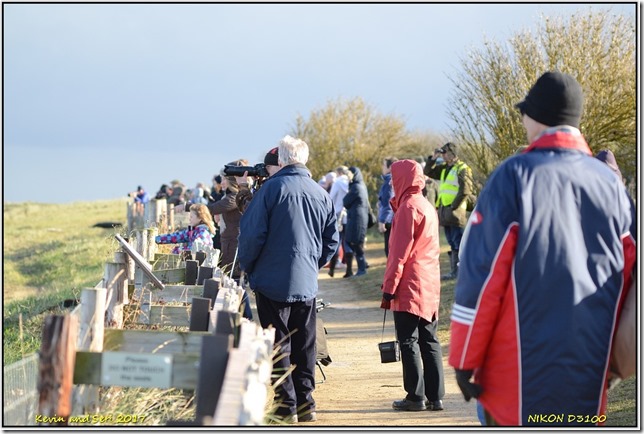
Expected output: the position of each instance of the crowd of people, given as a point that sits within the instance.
(542, 261)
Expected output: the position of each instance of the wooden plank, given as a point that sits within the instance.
(185, 369)
(56, 368)
(210, 289)
(173, 293)
(152, 341)
(164, 315)
(212, 368)
(199, 314)
(204, 273)
(192, 270)
(163, 261)
(140, 261)
(171, 275)
(90, 338)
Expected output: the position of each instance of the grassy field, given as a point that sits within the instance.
(51, 252)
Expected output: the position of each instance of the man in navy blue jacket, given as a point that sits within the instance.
(287, 234)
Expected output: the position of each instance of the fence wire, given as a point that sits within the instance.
(20, 397)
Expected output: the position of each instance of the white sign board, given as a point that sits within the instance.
(136, 370)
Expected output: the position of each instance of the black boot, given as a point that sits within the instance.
(348, 259)
(332, 264)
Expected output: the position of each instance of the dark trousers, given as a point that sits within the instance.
(386, 234)
(422, 357)
(358, 251)
(295, 335)
(453, 234)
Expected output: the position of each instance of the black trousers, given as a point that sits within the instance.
(422, 357)
(386, 234)
(295, 335)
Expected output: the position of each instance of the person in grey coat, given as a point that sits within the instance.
(356, 202)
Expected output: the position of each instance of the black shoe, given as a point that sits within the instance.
(347, 275)
(434, 405)
(308, 417)
(407, 405)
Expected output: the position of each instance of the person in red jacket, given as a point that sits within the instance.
(411, 288)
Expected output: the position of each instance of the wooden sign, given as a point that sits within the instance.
(136, 370)
(140, 261)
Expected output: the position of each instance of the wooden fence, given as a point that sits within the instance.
(225, 359)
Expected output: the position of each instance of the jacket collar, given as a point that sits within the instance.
(293, 169)
(560, 137)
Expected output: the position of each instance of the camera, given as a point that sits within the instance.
(258, 170)
(440, 150)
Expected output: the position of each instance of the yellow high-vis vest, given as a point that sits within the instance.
(448, 187)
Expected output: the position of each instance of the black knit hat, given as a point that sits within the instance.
(271, 158)
(555, 99)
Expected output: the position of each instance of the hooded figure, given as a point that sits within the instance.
(411, 288)
(356, 202)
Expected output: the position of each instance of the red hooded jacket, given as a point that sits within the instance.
(412, 274)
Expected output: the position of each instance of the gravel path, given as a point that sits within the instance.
(359, 389)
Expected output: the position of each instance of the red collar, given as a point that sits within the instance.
(560, 139)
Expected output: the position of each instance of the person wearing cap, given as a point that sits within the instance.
(546, 261)
(288, 232)
(455, 186)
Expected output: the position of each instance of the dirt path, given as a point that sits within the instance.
(359, 389)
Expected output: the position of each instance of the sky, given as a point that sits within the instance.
(101, 98)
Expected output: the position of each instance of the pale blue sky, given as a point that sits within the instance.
(99, 98)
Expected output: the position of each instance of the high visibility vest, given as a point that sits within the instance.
(448, 187)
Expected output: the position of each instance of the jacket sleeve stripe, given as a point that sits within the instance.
(462, 314)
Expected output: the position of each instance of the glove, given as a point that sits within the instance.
(386, 300)
(469, 390)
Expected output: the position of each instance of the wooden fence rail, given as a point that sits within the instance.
(224, 358)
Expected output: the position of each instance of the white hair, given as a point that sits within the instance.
(293, 151)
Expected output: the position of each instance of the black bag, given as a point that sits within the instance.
(371, 219)
(389, 351)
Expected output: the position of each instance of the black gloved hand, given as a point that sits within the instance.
(386, 300)
(470, 390)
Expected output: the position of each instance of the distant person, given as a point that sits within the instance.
(411, 289)
(455, 187)
(356, 203)
(339, 189)
(607, 156)
(386, 193)
(329, 179)
(141, 197)
(216, 192)
(178, 192)
(546, 262)
(199, 232)
(164, 192)
(229, 221)
(288, 232)
(198, 196)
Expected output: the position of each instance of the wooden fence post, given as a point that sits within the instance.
(151, 234)
(90, 338)
(170, 217)
(113, 280)
(56, 369)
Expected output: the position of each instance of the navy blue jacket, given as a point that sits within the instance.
(356, 203)
(546, 257)
(385, 213)
(287, 233)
